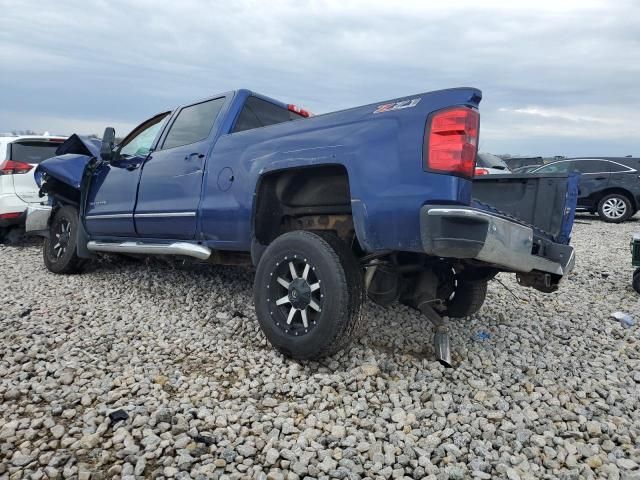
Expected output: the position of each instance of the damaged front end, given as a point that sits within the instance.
(62, 179)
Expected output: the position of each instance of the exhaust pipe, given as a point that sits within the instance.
(441, 347)
(441, 343)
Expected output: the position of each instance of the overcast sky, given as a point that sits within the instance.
(558, 77)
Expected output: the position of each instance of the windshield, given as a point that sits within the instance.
(487, 160)
(140, 140)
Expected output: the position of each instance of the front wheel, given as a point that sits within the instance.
(614, 208)
(59, 250)
(308, 291)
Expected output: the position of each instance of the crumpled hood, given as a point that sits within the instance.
(80, 144)
(72, 158)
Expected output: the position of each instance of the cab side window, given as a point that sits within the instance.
(140, 144)
(193, 123)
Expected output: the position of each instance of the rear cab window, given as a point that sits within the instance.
(258, 113)
(193, 123)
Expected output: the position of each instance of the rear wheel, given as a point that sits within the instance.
(308, 292)
(468, 297)
(59, 250)
(615, 208)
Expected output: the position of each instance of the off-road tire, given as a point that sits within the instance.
(67, 261)
(335, 269)
(605, 211)
(468, 299)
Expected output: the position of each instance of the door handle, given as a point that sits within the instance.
(131, 167)
(191, 155)
(601, 178)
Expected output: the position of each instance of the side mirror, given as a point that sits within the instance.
(108, 143)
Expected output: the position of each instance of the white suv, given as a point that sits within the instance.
(18, 157)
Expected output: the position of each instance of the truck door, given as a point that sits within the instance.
(171, 180)
(112, 193)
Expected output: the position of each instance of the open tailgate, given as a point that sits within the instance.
(546, 202)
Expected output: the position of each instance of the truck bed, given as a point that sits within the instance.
(532, 199)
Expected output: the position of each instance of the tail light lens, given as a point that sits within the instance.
(11, 167)
(451, 141)
(481, 171)
(10, 216)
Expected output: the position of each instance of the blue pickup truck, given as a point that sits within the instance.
(377, 200)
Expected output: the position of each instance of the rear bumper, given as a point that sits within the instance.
(10, 203)
(14, 221)
(37, 220)
(469, 233)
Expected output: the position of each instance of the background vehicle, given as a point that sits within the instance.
(526, 169)
(609, 186)
(18, 189)
(518, 162)
(488, 164)
(378, 199)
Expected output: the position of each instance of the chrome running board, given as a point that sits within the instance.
(177, 248)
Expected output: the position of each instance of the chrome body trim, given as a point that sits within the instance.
(165, 214)
(176, 248)
(108, 216)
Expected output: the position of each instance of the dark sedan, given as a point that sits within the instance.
(608, 186)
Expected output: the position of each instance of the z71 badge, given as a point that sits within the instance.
(387, 107)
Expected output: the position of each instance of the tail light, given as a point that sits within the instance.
(481, 171)
(451, 141)
(12, 167)
(10, 216)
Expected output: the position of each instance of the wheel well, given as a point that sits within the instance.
(621, 191)
(307, 198)
(61, 192)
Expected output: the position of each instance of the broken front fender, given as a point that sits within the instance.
(68, 169)
(72, 159)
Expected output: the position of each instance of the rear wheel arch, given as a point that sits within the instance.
(315, 198)
(618, 190)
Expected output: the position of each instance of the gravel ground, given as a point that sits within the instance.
(546, 385)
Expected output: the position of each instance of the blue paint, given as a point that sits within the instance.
(381, 152)
(66, 168)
